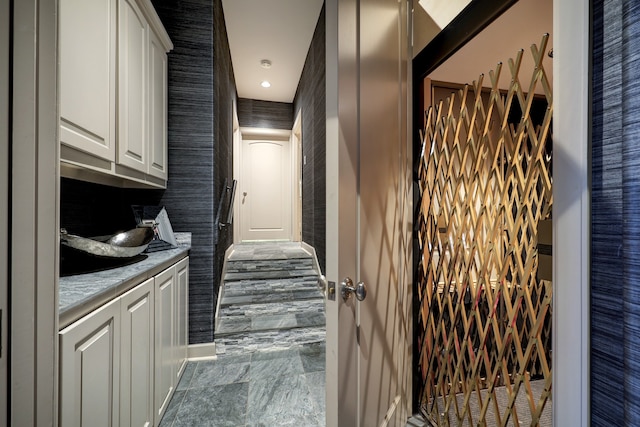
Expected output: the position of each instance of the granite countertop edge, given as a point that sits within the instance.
(81, 294)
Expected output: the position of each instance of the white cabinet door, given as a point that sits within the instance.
(165, 292)
(136, 367)
(157, 108)
(87, 75)
(132, 86)
(182, 307)
(89, 369)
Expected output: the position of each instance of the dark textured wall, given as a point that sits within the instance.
(615, 218)
(265, 114)
(201, 89)
(225, 94)
(310, 97)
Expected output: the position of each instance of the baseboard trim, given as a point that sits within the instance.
(227, 254)
(205, 351)
(307, 247)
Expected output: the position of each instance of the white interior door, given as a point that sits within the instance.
(369, 213)
(265, 189)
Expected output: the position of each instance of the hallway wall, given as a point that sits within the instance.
(265, 114)
(201, 90)
(310, 97)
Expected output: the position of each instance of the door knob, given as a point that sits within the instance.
(347, 288)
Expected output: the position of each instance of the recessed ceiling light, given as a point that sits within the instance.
(265, 63)
(265, 84)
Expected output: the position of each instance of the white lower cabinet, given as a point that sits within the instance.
(171, 296)
(182, 327)
(89, 369)
(137, 354)
(164, 366)
(120, 364)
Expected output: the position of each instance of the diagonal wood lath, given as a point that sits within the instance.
(484, 318)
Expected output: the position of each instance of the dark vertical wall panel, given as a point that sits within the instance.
(225, 94)
(190, 194)
(265, 114)
(615, 218)
(310, 97)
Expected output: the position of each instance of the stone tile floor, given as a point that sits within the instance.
(266, 388)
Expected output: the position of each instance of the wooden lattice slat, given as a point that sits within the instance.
(484, 320)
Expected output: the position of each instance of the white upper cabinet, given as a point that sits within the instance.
(113, 92)
(157, 108)
(133, 41)
(87, 76)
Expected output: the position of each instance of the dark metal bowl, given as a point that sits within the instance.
(122, 245)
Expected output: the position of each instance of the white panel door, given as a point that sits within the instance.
(265, 190)
(137, 356)
(369, 213)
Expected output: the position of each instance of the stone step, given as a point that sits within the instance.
(270, 308)
(236, 266)
(269, 274)
(274, 286)
(269, 340)
(272, 298)
(241, 325)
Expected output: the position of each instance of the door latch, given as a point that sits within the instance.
(347, 288)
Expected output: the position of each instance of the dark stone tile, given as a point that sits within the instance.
(185, 380)
(275, 364)
(311, 319)
(219, 406)
(213, 372)
(313, 357)
(316, 382)
(281, 401)
(171, 411)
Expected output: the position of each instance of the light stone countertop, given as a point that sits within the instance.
(82, 293)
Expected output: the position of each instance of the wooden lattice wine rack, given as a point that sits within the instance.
(484, 321)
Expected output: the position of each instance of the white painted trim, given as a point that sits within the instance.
(250, 133)
(35, 218)
(237, 155)
(206, 351)
(4, 203)
(296, 168)
(312, 251)
(227, 254)
(571, 213)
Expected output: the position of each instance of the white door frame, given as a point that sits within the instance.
(250, 133)
(571, 212)
(4, 204)
(296, 167)
(34, 216)
(571, 208)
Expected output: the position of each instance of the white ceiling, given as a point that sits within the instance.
(277, 30)
(518, 28)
